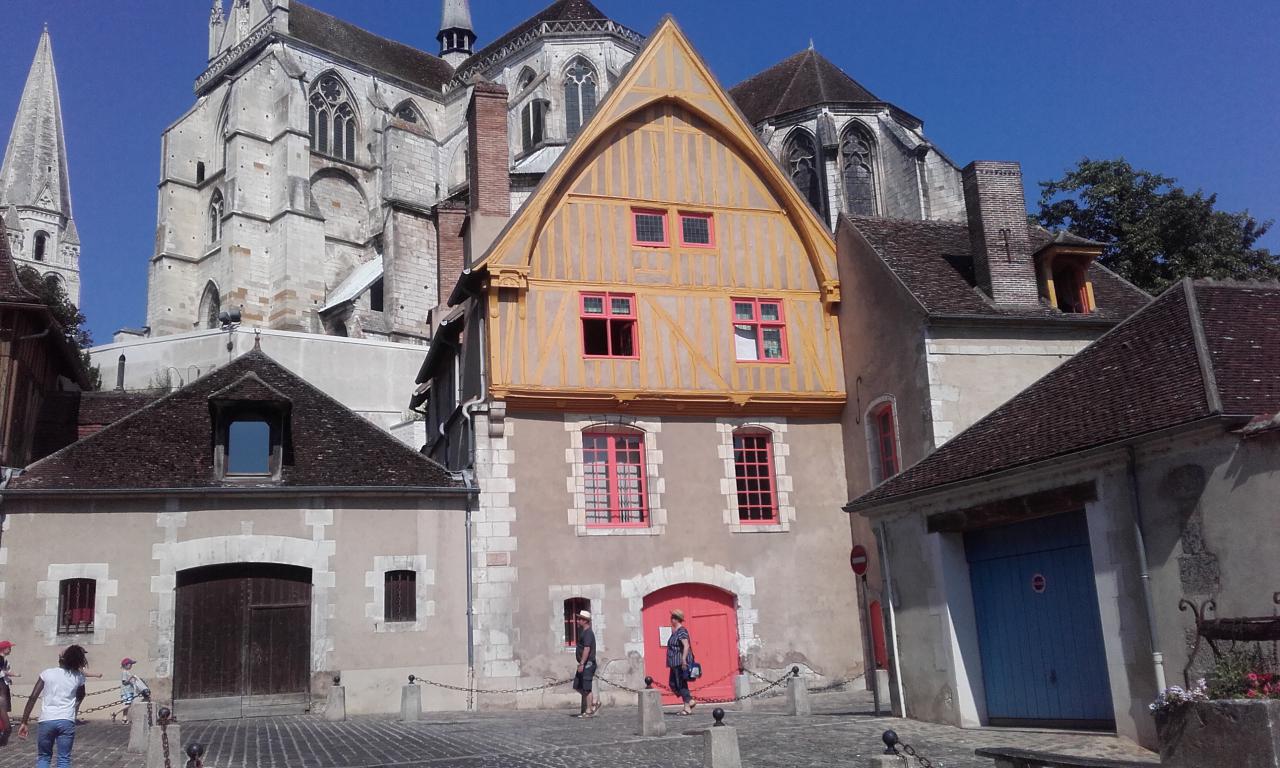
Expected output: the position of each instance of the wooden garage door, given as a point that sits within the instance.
(242, 636)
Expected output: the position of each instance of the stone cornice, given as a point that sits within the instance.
(543, 30)
(258, 36)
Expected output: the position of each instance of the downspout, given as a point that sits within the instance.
(469, 409)
(883, 550)
(1135, 498)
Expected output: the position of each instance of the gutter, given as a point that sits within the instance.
(215, 490)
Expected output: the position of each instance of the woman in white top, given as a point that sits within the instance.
(60, 689)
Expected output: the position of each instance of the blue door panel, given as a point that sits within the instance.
(1042, 652)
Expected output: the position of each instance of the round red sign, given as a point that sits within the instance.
(858, 559)
(1038, 583)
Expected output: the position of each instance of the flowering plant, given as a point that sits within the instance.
(1176, 696)
(1261, 685)
(1244, 675)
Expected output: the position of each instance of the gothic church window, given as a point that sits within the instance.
(857, 171)
(579, 96)
(210, 306)
(800, 156)
(332, 119)
(216, 209)
(42, 245)
(409, 113)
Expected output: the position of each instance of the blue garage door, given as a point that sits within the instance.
(1040, 638)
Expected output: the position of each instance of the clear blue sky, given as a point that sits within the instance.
(1183, 87)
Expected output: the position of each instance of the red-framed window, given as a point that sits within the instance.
(884, 442)
(759, 331)
(609, 325)
(75, 605)
(697, 230)
(400, 596)
(649, 227)
(613, 470)
(571, 608)
(753, 471)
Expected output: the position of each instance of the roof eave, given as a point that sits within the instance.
(246, 491)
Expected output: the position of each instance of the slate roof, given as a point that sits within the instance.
(168, 444)
(67, 416)
(345, 39)
(804, 80)
(934, 260)
(561, 10)
(1199, 350)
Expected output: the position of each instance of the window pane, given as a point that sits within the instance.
(770, 311)
(772, 343)
(595, 336)
(593, 305)
(622, 341)
(744, 342)
(743, 310)
(619, 305)
(249, 448)
(650, 228)
(696, 229)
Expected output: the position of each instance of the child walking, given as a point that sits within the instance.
(131, 687)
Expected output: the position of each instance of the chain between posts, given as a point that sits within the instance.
(164, 734)
(414, 679)
(655, 684)
(891, 744)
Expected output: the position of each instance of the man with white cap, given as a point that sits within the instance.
(586, 647)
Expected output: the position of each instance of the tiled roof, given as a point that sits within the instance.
(1146, 374)
(67, 416)
(934, 260)
(168, 443)
(345, 39)
(803, 80)
(561, 10)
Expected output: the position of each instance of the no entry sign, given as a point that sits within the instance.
(858, 559)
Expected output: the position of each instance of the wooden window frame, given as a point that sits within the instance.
(571, 607)
(636, 213)
(760, 325)
(609, 317)
(396, 607)
(769, 475)
(614, 512)
(885, 443)
(78, 595)
(711, 229)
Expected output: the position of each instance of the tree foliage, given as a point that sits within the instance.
(67, 314)
(1155, 231)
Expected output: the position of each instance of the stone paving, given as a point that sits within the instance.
(840, 732)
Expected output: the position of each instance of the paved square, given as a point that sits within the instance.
(841, 732)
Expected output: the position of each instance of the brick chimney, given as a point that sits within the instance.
(451, 248)
(488, 166)
(998, 232)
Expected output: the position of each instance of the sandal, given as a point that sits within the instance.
(685, 712)
(592, 712)
(691, 705)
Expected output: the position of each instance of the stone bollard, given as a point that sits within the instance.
(139, 726)
(195, 755)
(163, 734)
(649, 702)
(741, 689)
(410, 702)
(797, 695)
(882, 686)
(891, 758)
(335, 709)
(720, 744)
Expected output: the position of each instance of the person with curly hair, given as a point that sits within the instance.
(60, 690)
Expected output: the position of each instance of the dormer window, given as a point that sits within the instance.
(1063, 272)
(250, 431)
(249, 447)
(1068, 288)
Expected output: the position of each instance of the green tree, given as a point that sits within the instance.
(68, 315)
(1155, 231)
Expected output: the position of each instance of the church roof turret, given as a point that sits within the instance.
(456, 14)
(806, 79)
(35, 162)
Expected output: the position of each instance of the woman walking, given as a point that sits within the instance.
(679, 657)
(61, 689)
(6, 704)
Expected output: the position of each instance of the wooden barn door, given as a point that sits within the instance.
(711, 617)
(242, 640)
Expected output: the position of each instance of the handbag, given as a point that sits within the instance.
(695, 669)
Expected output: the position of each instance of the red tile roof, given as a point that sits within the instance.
(1199, 350)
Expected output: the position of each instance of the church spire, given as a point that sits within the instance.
(35, 189)
(456, 34)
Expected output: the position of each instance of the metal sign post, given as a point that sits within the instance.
(858, 561)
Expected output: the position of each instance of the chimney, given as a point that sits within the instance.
(998, 232)
(488, 166)
(451, 250)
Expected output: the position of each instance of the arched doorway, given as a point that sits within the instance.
(711, 616)
(242, 641)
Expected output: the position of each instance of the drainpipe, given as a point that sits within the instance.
(883, 549)
(1157, 657)
(469, 409)
(470, 480)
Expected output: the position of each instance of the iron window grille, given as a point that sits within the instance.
(400, 596)
(76, 600)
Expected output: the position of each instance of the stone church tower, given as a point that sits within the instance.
(35, 188)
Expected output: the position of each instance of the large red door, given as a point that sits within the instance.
(711, 617)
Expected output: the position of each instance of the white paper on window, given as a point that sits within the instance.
(744, 342)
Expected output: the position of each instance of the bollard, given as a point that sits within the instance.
(649, 702)
(891, 757)
(195, 755)
(139, 726)
(882, 687)
(720, 744)
(742, 689)
(166, 734)
(335, 709)
(797, 695)
(410, 702)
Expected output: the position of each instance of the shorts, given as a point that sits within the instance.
(582, 681)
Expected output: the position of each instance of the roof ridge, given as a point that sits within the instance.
(1212, 397)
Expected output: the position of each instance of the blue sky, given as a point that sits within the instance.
(1182, 87)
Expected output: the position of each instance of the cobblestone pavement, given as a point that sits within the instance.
(840, 732)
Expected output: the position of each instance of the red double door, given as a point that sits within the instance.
(711, 617)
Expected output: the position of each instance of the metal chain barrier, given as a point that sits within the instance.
(101, 707)
(414, 679)
(891, 744)
(655, 684)
(164, 734)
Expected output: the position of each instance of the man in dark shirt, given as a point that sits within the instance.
(586, 647)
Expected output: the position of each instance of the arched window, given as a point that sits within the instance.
(332, 119)
(857, 171)
(216, 209)
(614, 479)
(882, 441)
(533, 115)
(572, 607)
(579, 95)
(408, 112)
(525, 80)
(800, 156)
(753, 471)
(42, 245)
(210, 306)
(199, 171)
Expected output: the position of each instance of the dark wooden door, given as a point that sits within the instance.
(242, 630)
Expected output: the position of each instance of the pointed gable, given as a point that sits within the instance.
(35, 161)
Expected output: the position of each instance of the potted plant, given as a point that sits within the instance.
(1230, 719)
